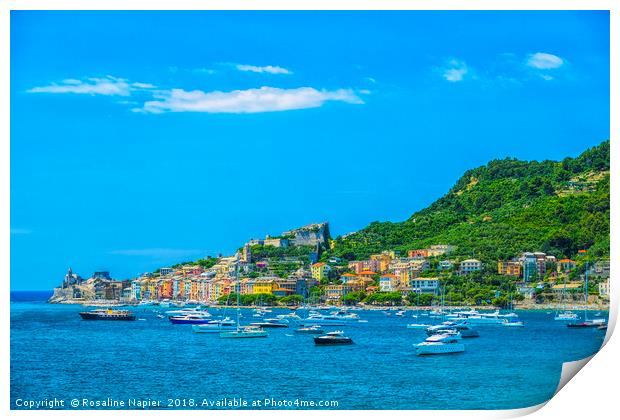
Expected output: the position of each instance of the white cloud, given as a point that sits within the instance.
(108, 85)
(205, 71)
(139, 85)
(455, 71)
(263, 69)
(544, 61)
(264, 99)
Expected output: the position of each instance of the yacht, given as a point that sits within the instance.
(271, 323)
(418, 326)
(107, 315)
(250, 331)
(215, 326)
(318, 319)
(439, 344)
(189, 311)
(333, 338)
(190, 319)
(315, 329)
(593, 323)
(465, 330)
(478, 318)
(245, 332)
(514, 324)
(566, 316)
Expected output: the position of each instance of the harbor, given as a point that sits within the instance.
(502, 368)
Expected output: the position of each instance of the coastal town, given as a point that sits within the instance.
(297, 268)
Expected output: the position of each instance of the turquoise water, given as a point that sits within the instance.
(54, 354)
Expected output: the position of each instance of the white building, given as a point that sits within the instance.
(424, 285)
(603, 288)
(469, 266)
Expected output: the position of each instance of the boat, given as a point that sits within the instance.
(566, 316)
(189, 311)
(189, 319)
(439, 344)
(465, 330)
(215, 326)
(400, 313)
(514, 324)
(478, 318)
(250, 331)
(245, 332)
(318, 319)
(333, 338)
(315, 329)
(418, 326)
(270, 323)
(594, 323)
(108, 315)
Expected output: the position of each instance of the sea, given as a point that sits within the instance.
(153, 364)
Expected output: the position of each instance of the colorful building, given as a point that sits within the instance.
(388, 282)
(319, 271)
(509, 268)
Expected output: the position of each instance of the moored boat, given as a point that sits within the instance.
(315, 329)
(108, 315)
(418, 326)
(189, 319)
(439, 344)
(333, 338)
(215, 326)
(245, 332)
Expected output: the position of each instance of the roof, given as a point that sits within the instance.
(349, 275)
(392, 276)
(319, 264)
(366, 273)
(471, 260)
(566, 260)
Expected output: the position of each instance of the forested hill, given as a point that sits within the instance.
(504, 208)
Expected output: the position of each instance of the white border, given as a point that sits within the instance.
(592, 394)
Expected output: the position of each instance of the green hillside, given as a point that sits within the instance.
(504, 208)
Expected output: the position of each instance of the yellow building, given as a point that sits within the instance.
(264, 286)
(319, 271)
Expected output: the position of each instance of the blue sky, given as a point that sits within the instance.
(140, 139)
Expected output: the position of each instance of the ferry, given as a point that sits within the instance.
(108, 315)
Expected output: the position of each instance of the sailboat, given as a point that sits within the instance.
(586, 323)
(247, 331)
(565, 315)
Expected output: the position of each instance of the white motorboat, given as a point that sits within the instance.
(418, 326)
(514, 324)
(566, 316)
(439, 344)
(318, 319)
(215, 326)
(189, 311)
(465, 330)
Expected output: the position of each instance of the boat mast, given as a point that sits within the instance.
(585, 312)
(238, 290)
